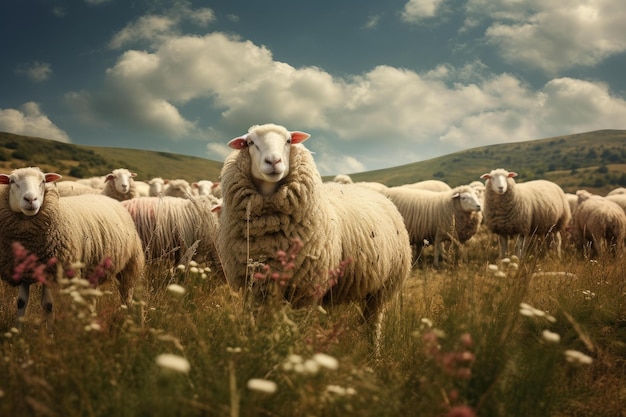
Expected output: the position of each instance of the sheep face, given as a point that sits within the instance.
(27, 189)
(121, 179)
(204, 187)
(269, 147)
(498, 180)
(469, 200)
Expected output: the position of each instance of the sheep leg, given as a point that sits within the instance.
(47, 306)
(22, 302)
(373, 317)
(436, 249)
(504, 245)
(519, 246)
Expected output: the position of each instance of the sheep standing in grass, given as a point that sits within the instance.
(273, 195)
(67, 188)
(178, 188)
(431, 185)
(535, 208)
(170, 226)
(92, 229)
(120, 185)
(620, 199)
(438, 216)
(600, 221)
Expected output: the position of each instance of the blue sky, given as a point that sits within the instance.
(376, 83)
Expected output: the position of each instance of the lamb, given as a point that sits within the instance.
(431, 185)
(534, 208)
(600, 221)
(119, 184)
(273, 196)
(438, 216)
(178, 188)
(92, 229)
(169, 227)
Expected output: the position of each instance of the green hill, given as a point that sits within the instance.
(592, 160)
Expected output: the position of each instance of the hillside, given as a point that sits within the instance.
(593, 160)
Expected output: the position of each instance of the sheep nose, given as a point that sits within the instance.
(30, 199)
(273, 161)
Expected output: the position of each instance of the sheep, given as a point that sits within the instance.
(96, 182)
(438, 216)
(620, 199)
(143, 188)
(67, 188)
(157, 186)
(92, 229)
(431, 185)
(119, 184)
(373, 185)
(178, 188)
(533, 208)
(273, 196)
(617, 191)
(343, 179)
(479, 188)
(202, 187)
(169, 226)
(600, 221)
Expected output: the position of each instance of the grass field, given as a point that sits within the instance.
(531, 337)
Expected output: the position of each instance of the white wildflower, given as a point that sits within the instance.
(173, 363)
(339, 390)
(176, 289)
(577, 357)
(193, 264)
(505, 261)
(493, 267)
(427, 322)
(311, 367)
(550, 337)
(514, 266)
(181, 267)
(588, 294)
(262, 385)
(500, 274)
(194, 270)
(326, 361)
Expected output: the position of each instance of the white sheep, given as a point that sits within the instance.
(143, 188)
(373, 185)
(157, 186)
(438, 216)
(535, 208)
(92, 229)
(343, 179)
(178, 188)
(600, 221)
(68, 187)
(120, 185)
(479, 188)
(273, 195)
(431, 185)
(617, 191)
(202, 187)
(620, 199)
(170, 226)
(96, 182)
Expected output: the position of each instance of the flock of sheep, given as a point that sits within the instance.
(357, 238)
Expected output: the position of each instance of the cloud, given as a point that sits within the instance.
(372, 22)
(35, 71)
(417, 10)
(29, 121)
(218, 151)
(552, 36)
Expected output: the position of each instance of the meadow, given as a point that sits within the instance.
(539, 336)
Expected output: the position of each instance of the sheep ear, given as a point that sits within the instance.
(485, 177)
(512, 175)
(298, 137)
(109, 177)
(51, 177)
(133, 174)
(239, 143)
(456, 195)
(4, 179)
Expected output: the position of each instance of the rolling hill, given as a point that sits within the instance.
(592, 160)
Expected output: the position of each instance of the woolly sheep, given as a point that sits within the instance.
(202, 187)
(343, 179)
(120, 185)
(96, 182)
(67, 188)
(273, 195)
(620, 199)
(157, 186)
(479, 188)
(431, 185)
(600, 221)
(534, 208)
(143, 188)
(92, 229)
(169, 227)
(178, 188)
(373, 185)
(438, 216)
(617, 191)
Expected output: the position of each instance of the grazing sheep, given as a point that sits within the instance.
(94, 182)
(143, 188)
(343, 179)
(620, 199)
(178, 188)
(431, 185)
(273, 195)
(534, 208)
(600, 221)
(438, 216)
(169, 227)
(67, 188)
(617, 191)
(92, 229)
(120, 185)
(157, 186)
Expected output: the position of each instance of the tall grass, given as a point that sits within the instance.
(468, 339)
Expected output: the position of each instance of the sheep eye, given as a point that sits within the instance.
(288, 140)
(250, 143)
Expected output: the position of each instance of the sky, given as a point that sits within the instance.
(376, 83)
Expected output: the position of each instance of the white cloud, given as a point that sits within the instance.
(35, 71)
(552, 36)
(372, 22)
(218, 151)
(29, 121)
(417, 10)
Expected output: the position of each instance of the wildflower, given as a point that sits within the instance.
(181, 267)
(427, 322)
(174, 363)
(311, 367)
(262, 385)
(500, 274)
(576, 357)
(194, 270)
(233, 349)
(339, 390)
(588, 294)
(505, 261)
(326, 361)
(550, 337)
(493, 267)
(176, 289)
(193, 264)
(514, 266)
(530, 311)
